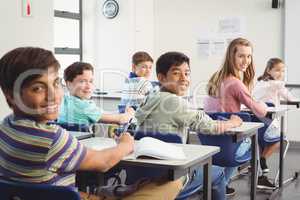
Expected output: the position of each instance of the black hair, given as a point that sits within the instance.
(169, 59)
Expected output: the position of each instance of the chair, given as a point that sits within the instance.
(261, 132)
(26, 191)
(226, 156)
(166, 137)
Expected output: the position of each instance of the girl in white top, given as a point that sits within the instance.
(271, 88)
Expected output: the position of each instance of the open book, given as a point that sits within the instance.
(151, 147)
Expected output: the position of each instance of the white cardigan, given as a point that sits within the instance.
(272, 91)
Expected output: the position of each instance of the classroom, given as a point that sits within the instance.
(105, 37)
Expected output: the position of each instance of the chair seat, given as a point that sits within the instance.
(26, 191)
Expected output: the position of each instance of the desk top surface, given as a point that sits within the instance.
(110, 95)
(245, 128)
(79, 133)
(195, 154)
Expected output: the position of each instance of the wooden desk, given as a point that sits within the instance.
(197, 155)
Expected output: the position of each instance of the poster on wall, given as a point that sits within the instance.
(214, 43)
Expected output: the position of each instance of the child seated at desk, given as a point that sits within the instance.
(230, 87)
(34, 152)
(137, 85)
(166, 111)
(77, 107)
(270, 88)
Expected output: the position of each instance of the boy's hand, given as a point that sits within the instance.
(126, 141)
(236, 120)
(125, 117)
(130, 111)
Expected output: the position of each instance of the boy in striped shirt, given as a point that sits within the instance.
(32, 151)
(137, 85)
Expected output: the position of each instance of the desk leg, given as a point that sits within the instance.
(281, 167)
(253, 167)
(207, 180)
(278, 191)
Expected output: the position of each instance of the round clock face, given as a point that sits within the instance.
(110, 9)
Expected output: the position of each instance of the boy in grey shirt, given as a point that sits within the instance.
(166, 111)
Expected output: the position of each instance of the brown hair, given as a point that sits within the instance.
(270, 65)
(227, 68)
(141, 56)
(76, 69)
(20, 60)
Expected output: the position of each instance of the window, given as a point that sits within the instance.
(68, 31)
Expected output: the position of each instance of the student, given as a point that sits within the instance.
(229, 88)
(271, 88)
(167, 112)
(137, 85)
(34, 152)
(77, 107)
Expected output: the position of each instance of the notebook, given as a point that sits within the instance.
(154, 148)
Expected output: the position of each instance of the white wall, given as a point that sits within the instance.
(291, 41)
(110, 43)
(179, 24)
(164, 25)
(160, 25)
(17, 30)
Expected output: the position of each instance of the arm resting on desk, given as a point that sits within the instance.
(233, 122)
(105, 159)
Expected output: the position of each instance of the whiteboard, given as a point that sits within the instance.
(292, 41)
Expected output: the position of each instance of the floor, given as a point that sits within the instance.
(290, 191)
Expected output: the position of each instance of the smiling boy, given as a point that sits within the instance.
(166, 111)
(77, 106)
(34, 152)
(137, 86)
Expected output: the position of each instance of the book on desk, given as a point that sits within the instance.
(154, 148)
(146, 147)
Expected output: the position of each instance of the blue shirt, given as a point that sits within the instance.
(78, 111)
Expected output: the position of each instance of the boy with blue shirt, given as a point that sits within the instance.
(34, 152)
(137, 85)
(165, 111)
(77, 107)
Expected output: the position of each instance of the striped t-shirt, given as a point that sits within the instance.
(135, 91)
(38, 153)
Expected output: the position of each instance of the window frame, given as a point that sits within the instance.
(72, 16)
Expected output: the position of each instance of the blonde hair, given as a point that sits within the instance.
(227, 68)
